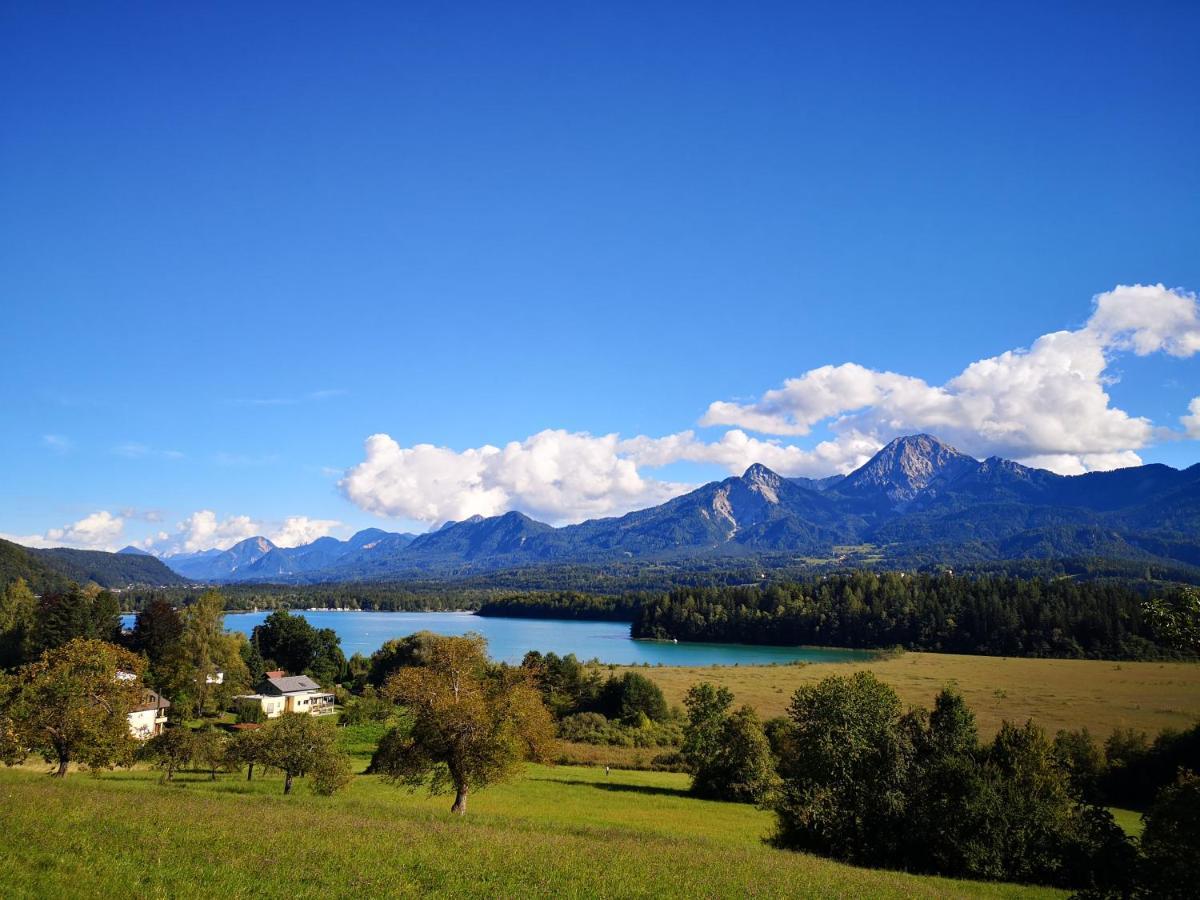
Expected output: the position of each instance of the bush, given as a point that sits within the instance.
(250, 713)
(370, 707)
(630, 696)
(593, 728)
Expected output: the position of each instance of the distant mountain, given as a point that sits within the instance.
(134, 551)
(257, 559)
(54, 568)
(916, 499)
(906, 468)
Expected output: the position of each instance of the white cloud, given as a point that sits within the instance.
(204, 530)
(1147, 318)
(297, 530)
(1046, 405)
(554, 475)
(201, 530)
(1192, 420)
(736, 451)
(100, 530)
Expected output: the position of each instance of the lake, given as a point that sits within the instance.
(510, 639)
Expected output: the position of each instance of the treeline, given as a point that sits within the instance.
(370, 597)
(565, 605)
(991, 615)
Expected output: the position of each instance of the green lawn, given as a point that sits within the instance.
(562, 831)
(1129, 820)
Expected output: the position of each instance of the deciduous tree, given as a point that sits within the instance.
(18, 609)
(471, 723)
(72, 706)
(1171, 839)
(297, 744)
(170, 750)
(206, 649)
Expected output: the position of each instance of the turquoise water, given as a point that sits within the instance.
(510, 639)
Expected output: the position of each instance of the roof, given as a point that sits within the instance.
(291, 684)
(152, 700)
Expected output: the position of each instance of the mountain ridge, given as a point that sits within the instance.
(916, 496)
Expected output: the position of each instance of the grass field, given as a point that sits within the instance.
(563, 831)
(1055, 693)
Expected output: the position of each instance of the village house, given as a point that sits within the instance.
(278, 693)
(148, 719)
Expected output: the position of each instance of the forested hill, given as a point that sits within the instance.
(51, 569)
(988, 615)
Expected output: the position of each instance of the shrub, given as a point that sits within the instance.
(250, 713)
(631, 695)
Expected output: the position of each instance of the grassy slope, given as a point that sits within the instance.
(1056, 693)
(562, 831)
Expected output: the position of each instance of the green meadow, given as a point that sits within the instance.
(564, 831)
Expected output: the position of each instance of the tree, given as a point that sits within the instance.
(63, 616)
(843, 787)
(299, 648)
(471, 723)
(206, 649)
(1175, 620)
(411, 650)
(248, 748)
(742, 770)
(632, 696)
(1082, 758)
(157, 633)
(170, 750)
(71, 706)
(297, 743)
(567, 685)
(1170, 839)
(707, 709)
(211, 750)
(105, 617)
(18, 609)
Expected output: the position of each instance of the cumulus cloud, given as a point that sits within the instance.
(1191, 421)
(297, 530)
(554, 475)
(736, 451)
(202, 530)
(205, 530)
(1046, 404)
(97, 531)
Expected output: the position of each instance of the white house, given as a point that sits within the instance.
(148, 719)
(279, 693)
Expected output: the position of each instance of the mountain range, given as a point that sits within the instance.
(917, 499)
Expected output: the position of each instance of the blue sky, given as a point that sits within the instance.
(236, 242)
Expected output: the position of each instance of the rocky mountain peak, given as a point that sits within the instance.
(909, 465)
(763, 481)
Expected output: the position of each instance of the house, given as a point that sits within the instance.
(278, 693)
(148, 719)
